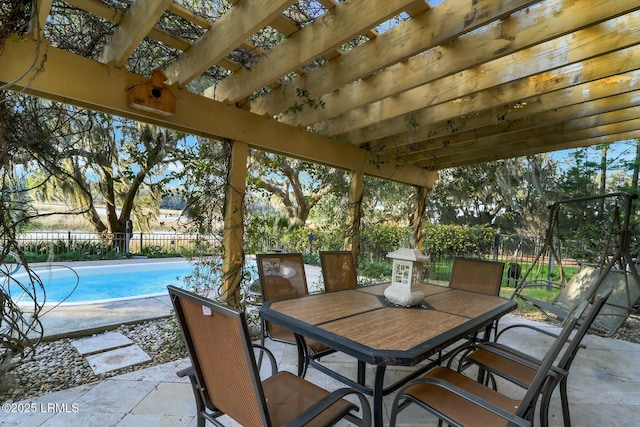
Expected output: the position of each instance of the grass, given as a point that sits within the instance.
(538, 292)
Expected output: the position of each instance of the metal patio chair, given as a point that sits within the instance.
(477, 275)
(461, 401)
(226, 381)
(338, 270)
(282, 276)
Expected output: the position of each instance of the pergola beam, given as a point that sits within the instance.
(97, 86)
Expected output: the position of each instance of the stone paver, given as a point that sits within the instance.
(100, 343)
(117, 359)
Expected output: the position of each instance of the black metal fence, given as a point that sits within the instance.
(61, 245)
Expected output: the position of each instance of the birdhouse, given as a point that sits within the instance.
(405, 277)
(152, 96)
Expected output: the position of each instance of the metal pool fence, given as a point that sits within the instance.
(67, 244)
(62, 244)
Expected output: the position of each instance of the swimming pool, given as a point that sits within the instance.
(107, 282)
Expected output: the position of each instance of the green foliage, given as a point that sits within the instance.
(297, 238)
(311, 259)
(375, 272)
(452, 240)
(305, 100)
(378, 240)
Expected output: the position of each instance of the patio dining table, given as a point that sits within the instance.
(364, 324)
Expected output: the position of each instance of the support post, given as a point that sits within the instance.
(233, 224)
(417, 218)
(356, 185)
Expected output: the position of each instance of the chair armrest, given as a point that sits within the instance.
(329, 400)
(520, 325)
(190, 372)
(272, 359)
(511, 418)
(510, 354)
(533, 328)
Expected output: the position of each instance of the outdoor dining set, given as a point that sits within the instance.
(448, 337)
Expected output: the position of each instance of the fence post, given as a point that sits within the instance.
(496, 246)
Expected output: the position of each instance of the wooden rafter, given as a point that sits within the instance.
(141, 17)
(425, 96)
(341, 24)
(431, 28)
(230, 30)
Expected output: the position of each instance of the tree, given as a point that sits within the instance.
(579, 178)
(510, 195)
(106, 160)
(298, 186)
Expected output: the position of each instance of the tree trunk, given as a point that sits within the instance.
(636, 166)
(603, 174)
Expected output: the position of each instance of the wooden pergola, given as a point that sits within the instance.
(455, 83)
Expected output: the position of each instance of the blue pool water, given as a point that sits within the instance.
(99, 283)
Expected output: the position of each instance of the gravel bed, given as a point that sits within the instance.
(58, 366)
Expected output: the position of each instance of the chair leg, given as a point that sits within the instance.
(262, 339)
(200, 407)
(566, 416)
(303, 356)
(544, 408)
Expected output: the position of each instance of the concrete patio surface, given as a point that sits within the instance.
(604, 390)
(603, 387)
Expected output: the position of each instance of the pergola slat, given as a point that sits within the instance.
(341, 24)
(431, 28)
(498, 40)
(231, 29)
(141, 17)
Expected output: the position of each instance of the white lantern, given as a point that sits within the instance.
(405, 277)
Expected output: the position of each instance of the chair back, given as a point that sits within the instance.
(282, 276)
(338, 270)
(218, 342)
(576, 317)
(476, 275)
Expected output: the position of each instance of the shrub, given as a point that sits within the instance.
(453, 240)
